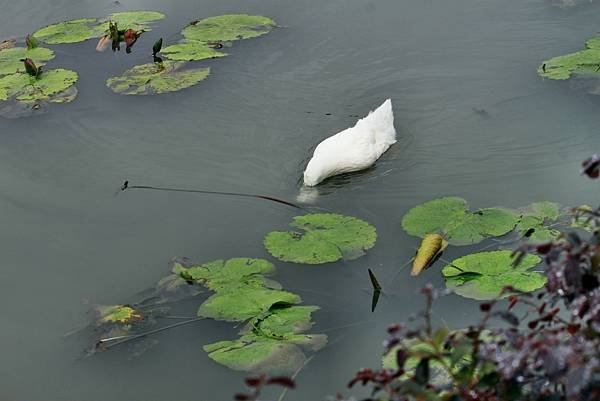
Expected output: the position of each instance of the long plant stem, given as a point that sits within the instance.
(123, 339)
(285, 390)
(205, 192)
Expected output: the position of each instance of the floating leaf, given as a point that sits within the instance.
(156, 78)
(50, 85)
(451, 218)
(582, 62)
(431, 247)
(324, 238)
(272, 343)
(190, 50)
(10, 59)
(72, 31)
(582, 219)
(244, 302)
(483, 275)
(136, 20)
(118, 314)
(534, 217)
(82, 29)
(228, 27)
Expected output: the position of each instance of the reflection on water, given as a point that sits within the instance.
(473, 120)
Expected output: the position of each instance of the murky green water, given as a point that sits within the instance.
(68, 242)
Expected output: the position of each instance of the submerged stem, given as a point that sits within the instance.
(126, 186)
(123, 339)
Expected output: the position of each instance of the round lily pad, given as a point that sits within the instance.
(228, 27)
(272, 343)
(72, 31)
(483, 275)
(222, 275)
(24, 87)
(10, 59)
(190, 50)
(324, 237)
(244, 302)
(451, 218)
(136, 20)
(582, 62)
(156, 78)
(535, 219)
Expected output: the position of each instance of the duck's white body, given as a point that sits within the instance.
(355, 148)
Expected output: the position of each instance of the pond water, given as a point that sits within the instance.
(68, 242)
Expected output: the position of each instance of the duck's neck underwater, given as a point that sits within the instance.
(326, 161)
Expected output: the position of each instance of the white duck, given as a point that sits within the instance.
(355, 148)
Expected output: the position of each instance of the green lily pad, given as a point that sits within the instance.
(82, 29)
(136, 20)
(228, 27)
(283, 321)
(26, 88)
(483, 275)
(222, 275)
(156, 78)
(582, 62)
(451, 218)
(190, 50)
(324, 238)
(260, 354)
(532, 223)
(244, 302)
(10, 59)
(72, 31)
(272, 343)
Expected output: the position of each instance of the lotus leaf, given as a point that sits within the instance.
(582, 62)
(68, 32)
(50, 85)
(325, 237)
(228, 27)
(190, 50)
(532, 222)
(484, 275)
(451, 218)
(10, 59)
(156, 78)
(283, 321)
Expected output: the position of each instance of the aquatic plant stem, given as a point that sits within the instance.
(200, 191)
(123, 339)
(293, 377)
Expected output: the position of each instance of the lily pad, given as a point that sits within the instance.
(136, 20)
(156, 78)
(190, 50)
(222, 275)
(324, 238)
(82, 29)
(244, 302)
(271, 343)
(483, 275)
(26, 88)
(532, 223)
(10, 59)
(451, 218)
(582, 62)
(228, 27)
(72, 31)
